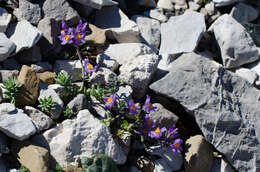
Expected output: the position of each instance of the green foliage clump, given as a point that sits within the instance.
(58, 168)
(12, 88)
(23, 169)
(68, 113)
(100, 163)
(64, 79)
(47, 104)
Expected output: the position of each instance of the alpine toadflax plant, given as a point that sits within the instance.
(88, 67)
(110, 101)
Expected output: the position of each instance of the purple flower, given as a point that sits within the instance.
(79, 38)
(176, 145)
(144, 130)
(81, 27)
(110, 101)
(149, 123)
(132, 107)
(173, 132)
(64, 27)
(88, 67)
(148, 104)
(66, 36)
(157, 133)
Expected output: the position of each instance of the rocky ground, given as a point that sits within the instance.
(197, 61)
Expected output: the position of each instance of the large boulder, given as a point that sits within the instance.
(182, 33)
(5, 19)
(236, 45)
(6, 47)
(225, 106)
(84, 136)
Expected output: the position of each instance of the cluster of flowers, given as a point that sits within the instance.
(168, 137)
(73, 36)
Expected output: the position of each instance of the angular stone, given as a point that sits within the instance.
(57, 110)
(3, 165)
(60, 10)
(30, 85)
(160, 165)
(163, 117)
(220, 165)
(122, 53)
(236, 45)
(117, 24)
(139, 72)
(47, 77)
(41, 67)
(84, 136)
(5, 19)
(166, 5)
(3, 145)
(149, 29)
(41, 121)
(78, 103)
(72, 67)
(16, 125)
(11, 64)
(28, 11)
(219, 3)
(173, 160)
(244, 13)
(5, 74)
(249, 75)
(32, 55)
(97, 35)
(102, 76)
(199, 154)
(24, 35)
(34, 158)
(157, 14)
(6, 47)
(97, 4)
(125, 93)
(224, 105)
(186, 30)
(106, 62)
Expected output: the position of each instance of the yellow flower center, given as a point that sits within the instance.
(78, 36)
(157, 131)
(62, 31)
(67, 37)
(150, 105)
(90, 66)
(133, 107)
(109, 100)
(145, 130)
(177, 145)
(149, 122)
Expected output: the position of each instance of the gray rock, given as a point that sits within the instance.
(102, 76)
(5, 74)
(11, 64)
(180, 4)
(199, 154)
(60, 10)
(122, 53)
(239, 48)
(78, 103)
(149, 29)
(173, 160)
(249, 75)
(84, 11)
(58, 89)
(160, 165)
(28, 11)
(186, 30)
(219, 165)
(219, 3)
(75, 138)
(244, 13)
(216, 98)
(150, 3)
(99, 110)
(50, 29)
(6, 47)
(3, 145)
(41, 121)
(7, 108)
(105, 61)
(24, 35)
(16, 124)
(210, 8)
(97, 4)
(117, 25)
(157, 14)
(2, 165)
(72, 67)
(163, 117)
(166, 5)
(194, 6)
(5, 19)
(32, 55)
(124, 93)
(41, 67)
(139, 72)
(57, 110)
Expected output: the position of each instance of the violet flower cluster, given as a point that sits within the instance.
(74, 36)
(88, 67)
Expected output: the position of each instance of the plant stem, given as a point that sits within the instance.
(82, 69)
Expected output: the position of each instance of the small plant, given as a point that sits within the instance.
(64, 79)
(58, 168)
(23, 169)
(68, 113)
(47, 104)
(12, 88)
